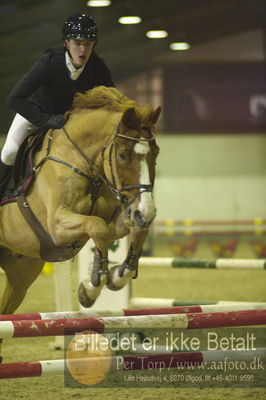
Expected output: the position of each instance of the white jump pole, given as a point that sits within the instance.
(63, 295)
(108, 299)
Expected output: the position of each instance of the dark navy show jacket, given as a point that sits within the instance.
(47, 88)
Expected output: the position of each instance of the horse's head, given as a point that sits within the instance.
(129, 154)
(130, 164)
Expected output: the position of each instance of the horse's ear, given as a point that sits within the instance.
(156, 115)
(130, 119)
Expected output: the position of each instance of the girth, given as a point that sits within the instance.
(48, 250)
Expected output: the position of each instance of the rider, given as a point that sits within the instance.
(45, 93)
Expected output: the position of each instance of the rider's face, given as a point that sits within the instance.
(80, 50)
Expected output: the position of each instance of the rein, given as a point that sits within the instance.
(101, 177)
(112, 186)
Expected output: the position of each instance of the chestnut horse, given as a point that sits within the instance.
(93, 179)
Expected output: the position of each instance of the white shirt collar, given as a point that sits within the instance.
(74, 72)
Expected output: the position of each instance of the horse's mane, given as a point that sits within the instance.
(111, 99)
(102, 96)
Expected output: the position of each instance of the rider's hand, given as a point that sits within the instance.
(56, 121)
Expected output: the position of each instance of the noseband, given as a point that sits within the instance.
(112, 186)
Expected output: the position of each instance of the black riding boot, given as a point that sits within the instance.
(4, 176)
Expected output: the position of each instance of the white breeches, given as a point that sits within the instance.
(19, 130)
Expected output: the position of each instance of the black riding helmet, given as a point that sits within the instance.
(80, 26)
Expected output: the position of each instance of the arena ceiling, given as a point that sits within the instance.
(30, 26)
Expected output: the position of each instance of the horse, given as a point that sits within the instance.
(93, 179)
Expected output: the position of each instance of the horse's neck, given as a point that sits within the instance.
(90, 131)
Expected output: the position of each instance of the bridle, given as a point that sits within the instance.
(143, 187)
(112, 186)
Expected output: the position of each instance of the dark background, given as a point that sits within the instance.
(218, 98)
(28, 27)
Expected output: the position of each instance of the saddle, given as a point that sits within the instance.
(21, 175)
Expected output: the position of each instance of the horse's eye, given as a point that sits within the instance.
(122, 156)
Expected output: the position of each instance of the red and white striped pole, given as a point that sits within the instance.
(57, 327)
(205, 308)
(133, 311)
(127, 363)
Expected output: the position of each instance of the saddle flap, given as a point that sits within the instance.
(15, 178)
(24, 160)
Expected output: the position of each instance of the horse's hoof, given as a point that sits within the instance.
(111, 286)
(112, 278)
(88, 293)
(83, 296)
(116, 282)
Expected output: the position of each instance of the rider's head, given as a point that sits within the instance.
(79, 37)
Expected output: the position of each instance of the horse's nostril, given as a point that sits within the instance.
(138, 217)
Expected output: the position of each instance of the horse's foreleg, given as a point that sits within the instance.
(120, 274)
(90, 289)
(72, 228)
(82, 228)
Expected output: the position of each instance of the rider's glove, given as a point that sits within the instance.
(56, 121)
